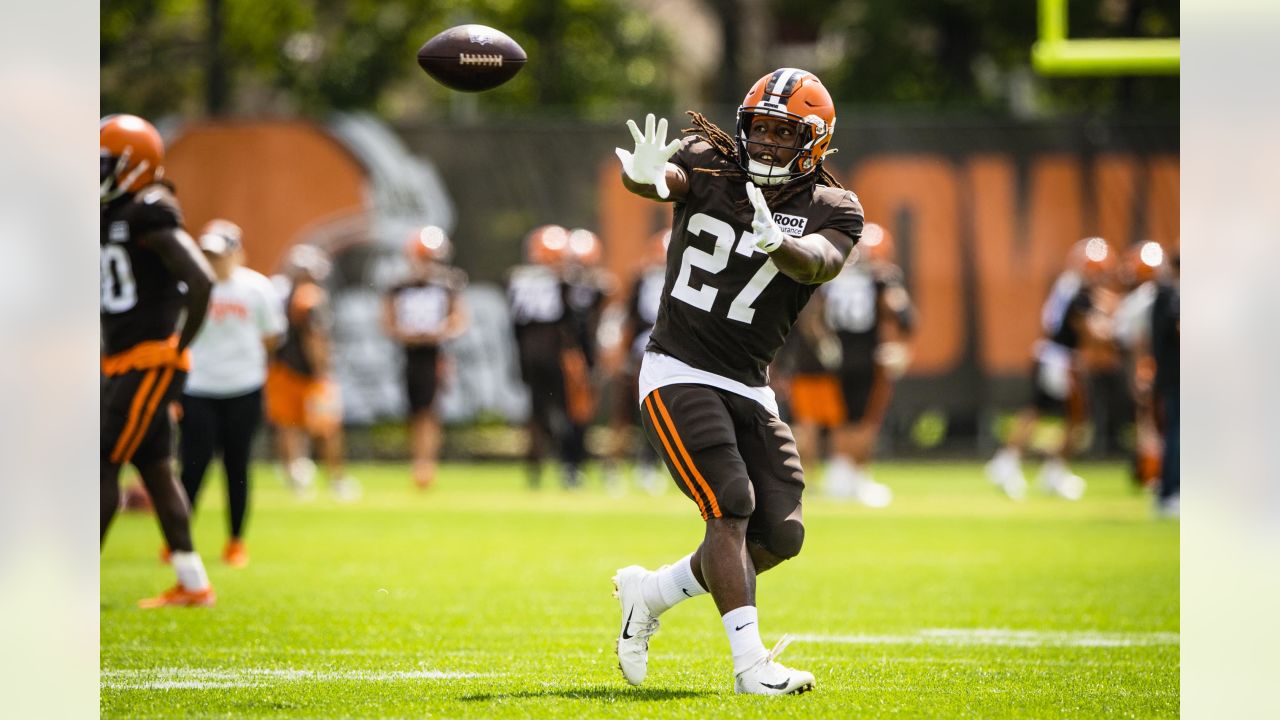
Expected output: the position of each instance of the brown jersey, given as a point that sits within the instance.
(422, 303)
(141, 298)
(307, 311)
(725, 308)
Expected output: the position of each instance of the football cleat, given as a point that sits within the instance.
(178, 596)
(235, 554)
(638, 624)
(1056, 479)
(871, 493)
(770, 677)
(346, 489)
(1005, 472)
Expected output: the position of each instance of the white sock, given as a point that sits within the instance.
(190, 569)
(742, 625)
(670, 585)
(1008, 455)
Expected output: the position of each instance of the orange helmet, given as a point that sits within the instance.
(585, 248)
(546, 245)
(1143, 261)
(130, 155)
(428, 244)
(797, 96)
(1092, 257)
(658, 243)
(876, 244)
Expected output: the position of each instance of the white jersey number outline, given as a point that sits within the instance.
(715, 262)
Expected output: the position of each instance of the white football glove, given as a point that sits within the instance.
(894, 357)
(768, 236)
(647, 165)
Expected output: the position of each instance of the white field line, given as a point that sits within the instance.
(1006, 638)
(209, 678)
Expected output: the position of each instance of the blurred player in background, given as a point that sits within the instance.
(421, 313)
(866, 316)
(743, 262)
(641, 313)
(538, 296)
(1070, 318)
(302, 399)
(222, 403)
(1166, 340)
(589, 286)
(1142, 264)
(155, 293)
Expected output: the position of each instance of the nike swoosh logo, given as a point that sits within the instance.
(627, 624)
(779, 686)
(739, 627)
(686, 592)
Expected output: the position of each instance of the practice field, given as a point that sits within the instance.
(481, 599)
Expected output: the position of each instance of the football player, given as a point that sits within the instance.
(222, 403)
(538, 295)
(641, 313)
(302, 399)
(1166, 340)
(1142, 264)
(155, 293)
(758, 225)
(421, 313)
(1070, 318)
(869, 312)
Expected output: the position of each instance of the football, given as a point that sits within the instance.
(471, 58)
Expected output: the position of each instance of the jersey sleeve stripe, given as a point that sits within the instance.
(702, 482)
(156, 395)
(662, 435)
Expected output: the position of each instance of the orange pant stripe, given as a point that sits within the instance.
(657, 426)
(156, 396)
(135, 413)
(702, 482)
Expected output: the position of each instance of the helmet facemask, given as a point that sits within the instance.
(795, 96)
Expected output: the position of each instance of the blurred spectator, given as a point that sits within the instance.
(222, 403)
(422, 312)
(1070, 318)
(302, 398)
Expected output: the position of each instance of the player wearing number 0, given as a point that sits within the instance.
(758, 225)
(153, 275)
(421, 313)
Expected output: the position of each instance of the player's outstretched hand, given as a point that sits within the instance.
(647, 164)
(768, 236)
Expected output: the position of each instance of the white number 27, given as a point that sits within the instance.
(715, 262)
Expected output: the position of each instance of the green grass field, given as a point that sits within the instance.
(481, 599)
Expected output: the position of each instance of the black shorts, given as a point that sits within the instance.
(135, 423)
(729, 455)
(1041, 399)
(422, 376)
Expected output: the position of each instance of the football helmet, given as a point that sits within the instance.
(546, 245)
(130, 155)
(799, 97)
(657, 247)
(428, 244)
(876, 244)
(585, 248)
(1143, 261)
(307, 261)
(1092, 257)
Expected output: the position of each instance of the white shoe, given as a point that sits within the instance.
(346, 489)
(638, 624)
(770, 677)
(302, 473)
(1005, 472)
(840, 479)
(1169, 508)
(871, 493)
(1056, 479)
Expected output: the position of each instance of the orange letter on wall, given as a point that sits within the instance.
(925, 188)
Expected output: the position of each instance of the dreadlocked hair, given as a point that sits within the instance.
(724, 144)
